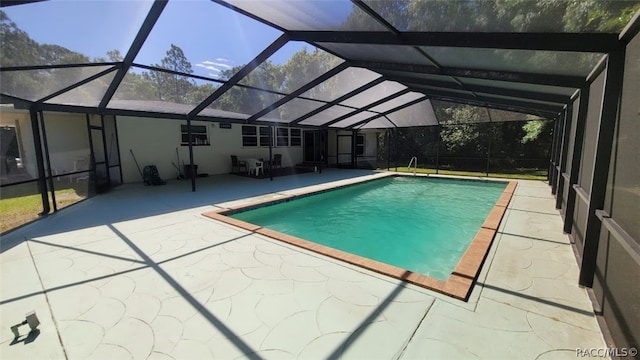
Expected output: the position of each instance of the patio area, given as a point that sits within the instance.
(139, 273)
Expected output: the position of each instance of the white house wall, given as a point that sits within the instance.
(154, 142)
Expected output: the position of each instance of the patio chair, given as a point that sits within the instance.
(238, 164)
(255, 166)
(277, 161)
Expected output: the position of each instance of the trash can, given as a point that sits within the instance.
(190, 172)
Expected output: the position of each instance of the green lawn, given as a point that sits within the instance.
(525, 174)
(20, 210)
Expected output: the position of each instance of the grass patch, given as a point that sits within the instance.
(20, 210)
(524, 174)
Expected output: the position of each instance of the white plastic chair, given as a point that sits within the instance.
(254, 165)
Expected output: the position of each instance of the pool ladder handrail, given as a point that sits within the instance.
(415, 165)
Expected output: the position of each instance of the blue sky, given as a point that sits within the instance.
(212, 37)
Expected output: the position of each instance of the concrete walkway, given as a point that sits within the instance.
(139, 273)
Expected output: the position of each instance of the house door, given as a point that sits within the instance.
(311, 148)
(345, 151)
(99, 162)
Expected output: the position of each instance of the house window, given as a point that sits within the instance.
(255, 135)
(249, 136)
(199, 135)
(282, 136)
(359, 145)
(296, 137)
(264, 135)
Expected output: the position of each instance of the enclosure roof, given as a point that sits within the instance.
(332, 64)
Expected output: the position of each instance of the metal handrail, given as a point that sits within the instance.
(415, 166)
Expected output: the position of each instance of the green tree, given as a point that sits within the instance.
(173, 87)
(115, 55)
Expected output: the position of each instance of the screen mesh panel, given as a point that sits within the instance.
(292, 110)
(89, 94)
(344, 82)
(572, 134)
(373, 94)
(327, 115)
(544, 89)
(311, 15)
(244, 100)
(206, 49)
(68, 32)
(291, 67)
(626, 188)
(355, 119)
(420, 114)
(452, 113)
(17, 151)
(35, 84)
(396, 102)
(400, 54)
(526, 61)
(500, 16)
(591, 133)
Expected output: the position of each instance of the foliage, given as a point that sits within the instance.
(173, 87)
(499, 15)
(532, 129)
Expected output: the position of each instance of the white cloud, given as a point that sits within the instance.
(209, 67)
(216, 66)
(219, 64)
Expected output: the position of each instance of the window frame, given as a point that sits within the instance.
(258, 136)
(255, 135)
(295, 140)
(361, 147)
(199, 135)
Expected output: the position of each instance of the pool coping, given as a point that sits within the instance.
(458, 285)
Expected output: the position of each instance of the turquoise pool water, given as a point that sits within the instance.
(420, 224)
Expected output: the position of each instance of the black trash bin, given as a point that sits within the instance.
(190, 172)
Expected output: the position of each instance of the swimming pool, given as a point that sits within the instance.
(419, 226)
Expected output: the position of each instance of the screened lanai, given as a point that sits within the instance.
(120, 70)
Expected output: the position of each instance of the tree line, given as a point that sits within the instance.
(176, 85)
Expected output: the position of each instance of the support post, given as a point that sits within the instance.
(48, 161)
(270, 153)
(353, 149)
(190, 143)
(396, 146)
(106, 152)
(556, 154)
(552, 156)
(438, 150)
(568, 115)
(489, 148)
(42, 184)
(388, 141)
(115, 129)
(581, 122)
(604, 144)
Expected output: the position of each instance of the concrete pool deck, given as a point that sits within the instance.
(140, 273)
